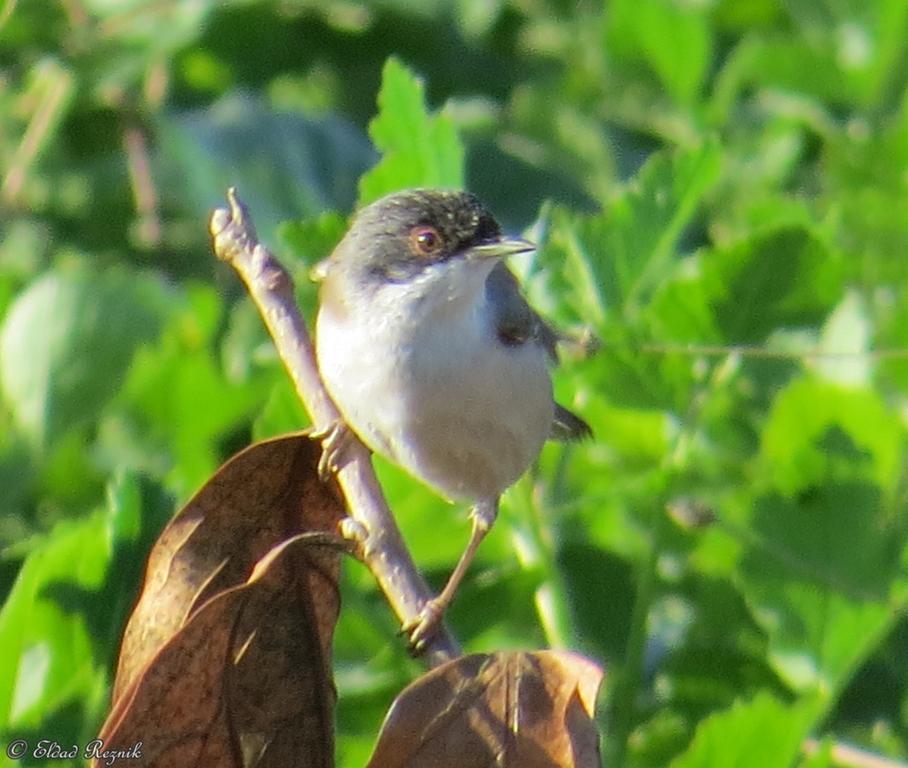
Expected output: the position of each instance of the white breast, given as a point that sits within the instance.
(431, 388)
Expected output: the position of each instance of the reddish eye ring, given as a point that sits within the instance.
(425, 240)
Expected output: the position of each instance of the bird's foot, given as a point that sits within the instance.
(421, 629)
(356, 534)
(335, 439)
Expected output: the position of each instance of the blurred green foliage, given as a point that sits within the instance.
(719, 190)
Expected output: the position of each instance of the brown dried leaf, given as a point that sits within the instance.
(246, 682)
(263, 496)
(533, 710)
(226, 659)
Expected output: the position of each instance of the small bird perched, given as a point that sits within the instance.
(434, 358)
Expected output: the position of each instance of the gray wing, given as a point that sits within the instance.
(517, 323)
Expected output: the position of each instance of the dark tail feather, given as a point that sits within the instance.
(567, 427)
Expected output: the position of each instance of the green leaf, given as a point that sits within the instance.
(637, 436)
(418, 149)
(124, 508)
(752, 734)
(865, 186)
(680, 310)
(179, 399)
(309, 241)
(245, 345)
(846, 339)
(285, 164)
(892, 333)
(283, 412)
(46, 647)
(672, 38)
(843, 53)
(786, 277)
(824, 549)
(16, 476)
(67, 341)
(608, 270)
(818, 430)
(816, 577)
(613, 261)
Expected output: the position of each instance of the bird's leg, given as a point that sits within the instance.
(335, 439)
(424, 625)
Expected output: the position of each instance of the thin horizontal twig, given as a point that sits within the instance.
(748, 350)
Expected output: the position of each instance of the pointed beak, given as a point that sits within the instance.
(499, 249)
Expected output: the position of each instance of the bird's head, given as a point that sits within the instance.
(422, 241)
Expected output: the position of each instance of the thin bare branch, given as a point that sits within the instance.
(752, 350)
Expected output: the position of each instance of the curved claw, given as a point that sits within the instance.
(421, 629)
(335, 439)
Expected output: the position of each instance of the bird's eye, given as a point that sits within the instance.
(424, 240)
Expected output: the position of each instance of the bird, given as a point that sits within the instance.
(435, 360)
